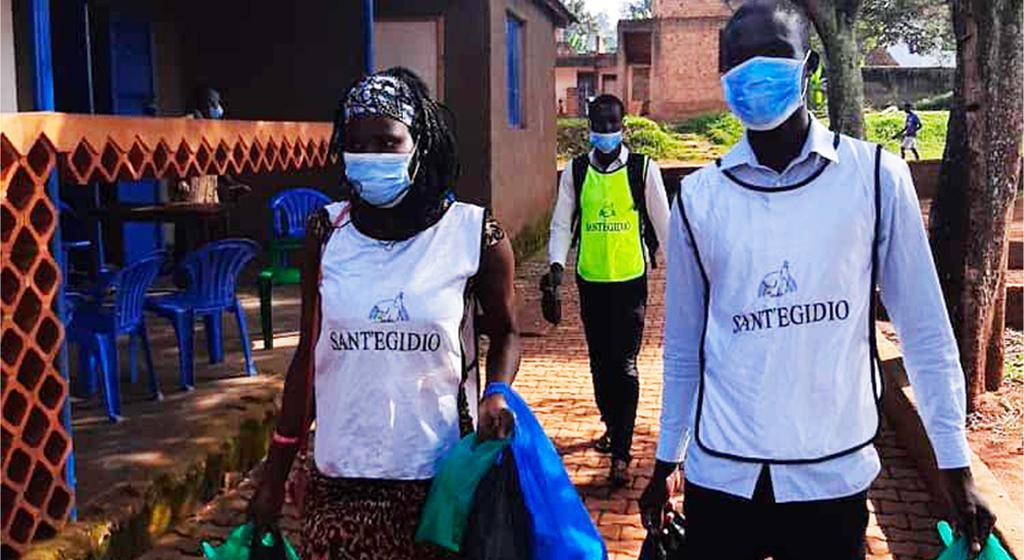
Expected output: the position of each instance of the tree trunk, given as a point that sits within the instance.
(978, 181)
(845, 82)
(996, 359)
(835, 21)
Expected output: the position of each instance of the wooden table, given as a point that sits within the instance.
(211, 219)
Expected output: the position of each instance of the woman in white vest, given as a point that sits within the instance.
(387, 346)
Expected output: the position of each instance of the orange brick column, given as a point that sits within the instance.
(36, 499)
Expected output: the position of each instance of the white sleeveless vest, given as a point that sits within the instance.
(389, 359)
(789, 281)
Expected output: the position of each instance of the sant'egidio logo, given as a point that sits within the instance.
(388, 313)
(776, 284)
(390, 310)
(606, 214)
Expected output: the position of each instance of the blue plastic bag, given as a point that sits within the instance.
(956, 548)
(561, 528)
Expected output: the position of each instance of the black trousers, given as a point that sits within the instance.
(727, 527)
(613, 322)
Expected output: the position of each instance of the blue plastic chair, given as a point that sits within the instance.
(212, 273)
(69, 245)
(97, 324)
(289, 210)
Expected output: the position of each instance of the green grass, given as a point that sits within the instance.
(643, 136)
(931, 140)
(941, 102)
(1014, 356)
(707, 136)
(532, 238)
(572, 138)
(720, 128)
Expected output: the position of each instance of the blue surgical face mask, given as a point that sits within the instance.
(764, 91)
(216, 112)
(381, 180)
(606, 142)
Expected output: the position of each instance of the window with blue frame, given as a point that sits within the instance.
(514, 69)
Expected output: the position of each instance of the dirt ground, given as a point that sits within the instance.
(996, 428)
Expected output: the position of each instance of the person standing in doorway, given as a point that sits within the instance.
(215, 192)
(612, 203)
(908, 136)
(771, 385)
(210, 189)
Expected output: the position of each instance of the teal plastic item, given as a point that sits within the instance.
(956, 548)
(236, 547)
(451, 494)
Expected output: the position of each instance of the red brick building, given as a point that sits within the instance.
(666, 66)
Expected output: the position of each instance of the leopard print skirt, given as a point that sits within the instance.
(364, 519)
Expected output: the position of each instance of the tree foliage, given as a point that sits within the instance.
(579, 35)
(637, 9)
(582, 35)
(836, 24)
(925, 26)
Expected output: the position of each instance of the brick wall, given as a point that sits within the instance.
(885, 85)
(572, 102)
(690, 8)
(685, 78)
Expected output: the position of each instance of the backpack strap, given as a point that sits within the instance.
(636, 166)
(580, 166)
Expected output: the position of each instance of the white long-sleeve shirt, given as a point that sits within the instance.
(565, 206)
(910, 292)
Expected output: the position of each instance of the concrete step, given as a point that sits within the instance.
(901, 410)
(161, 464)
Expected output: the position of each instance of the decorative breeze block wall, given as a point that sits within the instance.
(36, 499)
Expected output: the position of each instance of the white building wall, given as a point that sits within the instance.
(565, 78)
(8, 72)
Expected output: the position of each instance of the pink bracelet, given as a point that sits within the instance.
(284, 440)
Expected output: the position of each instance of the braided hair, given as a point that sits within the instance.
(432, 130)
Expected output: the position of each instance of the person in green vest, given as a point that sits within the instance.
(613, 207)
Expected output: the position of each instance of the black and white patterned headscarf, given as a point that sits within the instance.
(381, 96)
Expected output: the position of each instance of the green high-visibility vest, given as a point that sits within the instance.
(611, 241)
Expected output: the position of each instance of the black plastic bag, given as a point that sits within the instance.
(269, 545)
(668, 544)
(498, 527)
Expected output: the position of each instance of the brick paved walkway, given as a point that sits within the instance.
(555, 379)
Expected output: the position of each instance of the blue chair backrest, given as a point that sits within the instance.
(68, 217)
(131, 284)
(213, 270)
(290, 208)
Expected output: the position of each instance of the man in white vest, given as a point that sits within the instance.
(771, 387)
